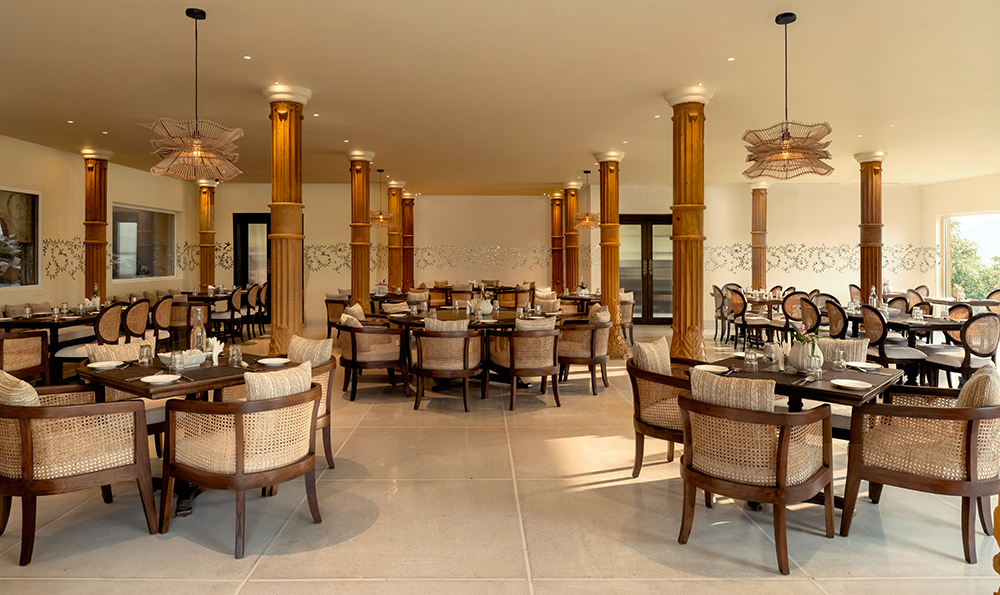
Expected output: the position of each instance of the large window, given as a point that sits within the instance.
(18, 238)
(972, 254)
(142, 243)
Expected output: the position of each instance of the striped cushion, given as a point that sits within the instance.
(15, 392)
(653, 357)
(356, 311)
(270, 385)
(310, 350)
(982, 390)
(738, 393)
(126, 352)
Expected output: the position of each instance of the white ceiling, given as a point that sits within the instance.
(513, 97)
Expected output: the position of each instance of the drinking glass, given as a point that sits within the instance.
(838, 359)
(27, 311)
(538, 309)
(423, 307)
(79, 309)
(177, 362)
(750, 361)
(520, 312)
(55, 313)
(65, 307)
(145, 354)
(434, 313)
(236, 356)
(918, 314)
(815, 368)
(413, 311)
(479, 316)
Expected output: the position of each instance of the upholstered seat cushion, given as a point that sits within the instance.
(226, 315)
(270, 385)
(756, 321)
(933, 348)
(395, 308)
(954, 359)
(75, 332)
(898, 353)
(653, 356)
(317, 351)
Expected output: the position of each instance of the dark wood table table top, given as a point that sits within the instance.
(820, 390)
(574, 297)
(203, 378)
(952, 301)
(210, 298)
(47, 321)
(504, 318)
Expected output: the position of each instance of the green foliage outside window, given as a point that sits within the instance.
(976, 276)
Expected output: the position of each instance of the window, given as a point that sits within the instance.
(142, 243)
(18, 238)
(972, 254)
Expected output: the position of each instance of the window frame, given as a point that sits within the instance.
(39, 276)
(111, 246)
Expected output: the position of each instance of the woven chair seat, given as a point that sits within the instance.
(952, 359)
(757, 321)
(76, 332)
(900, 353)
(446, 354)
(225, 315)
(663, 414)
(379, 352)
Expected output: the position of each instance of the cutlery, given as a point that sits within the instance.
(134, 378)
(804, 381)
(730, 371)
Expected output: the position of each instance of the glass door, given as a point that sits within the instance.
(251, 249)
(646, 266)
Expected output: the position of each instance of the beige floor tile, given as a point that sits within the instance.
(49, 509)
(403, 529)
(387, 587)
(778, 586)
(579, 408)
(437, 409)
(424, 453)
(628, 529)
(117, 587)
(910, 586)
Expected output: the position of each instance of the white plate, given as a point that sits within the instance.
(397, 315)
(485, 321)
(850, 384)
(6, 319)
(713, 369)
(104, 365)
(273, 361)
(64, 318)
(160, 378)
(863, 365)
(739, 354)
(536, 318)
(552, 313)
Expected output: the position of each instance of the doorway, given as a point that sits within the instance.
(646, 266)
(251, 250)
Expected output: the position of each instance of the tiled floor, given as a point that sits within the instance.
(538, 500)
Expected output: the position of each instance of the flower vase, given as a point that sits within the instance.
(799, 354)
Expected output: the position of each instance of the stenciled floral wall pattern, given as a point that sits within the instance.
(840, 258)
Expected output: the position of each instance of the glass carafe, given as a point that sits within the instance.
(198, 335)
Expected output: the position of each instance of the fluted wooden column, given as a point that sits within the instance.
(871, 221)
(688, 221)
(206, 196)
(610, 165)
(758, 235)
(286, 213)
(556, 201)
(396, 234)
(360, 227)
(408, 241)
(571, 235)
(95, 222)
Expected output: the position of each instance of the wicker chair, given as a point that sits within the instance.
(775, 291)
(855, 292)
(585, 343)
(855, 350)
(978, 338)
(334, 310)
(242, 445)
(742, 321)
(370, 347)
(450, 354)
(461, 292)
(136, 318)
(25, 354)
(913, 297)
(923, 290)
(491, 282)
(74, 443)
(721, 321)
(515, 354)
(759, 456)
(513, 297)
(900, 304)
(922, 441)
(900, 355)
(791, 312)
(160, 315)
(810, 316)
(627, 306)
(837, 317)
(230, 320)
(417, 298)
(655, 399)
(107, 329)
(438, 296)
(250, 310)
(182, 318)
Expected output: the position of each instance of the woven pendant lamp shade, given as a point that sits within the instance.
(587, 220)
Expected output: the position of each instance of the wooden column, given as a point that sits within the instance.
(556, 201)
(407, 241)
(360, 227)
(688, 221)
(396, 234)
(206, 195)
(286, 213)
(871, 222)
(95, 222)
(610, 165)
(758, 235)
(571, 235)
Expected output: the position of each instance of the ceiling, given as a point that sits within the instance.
(513, 97)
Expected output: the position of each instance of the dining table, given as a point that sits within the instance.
(48, 322)
(583, 301)
(950, 301)
(209, 298)
(771, 304)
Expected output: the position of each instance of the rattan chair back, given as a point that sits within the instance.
(136, 319)
(899, 304)
(108, 324)
(810, 315)
(439, 351)
(736, 302)
(913, 297)
(25, 354)
(994, 295)
(627, 306)
(923, 290)
(162, 313)
(252, 298)
(438, 296)
(875, 326)
(791, 306)
(837, 317)
(822, 299)
(776, 290)
(855, 292)
(980, 335)
(958, 312)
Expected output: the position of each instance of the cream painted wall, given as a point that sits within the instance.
(59, 177)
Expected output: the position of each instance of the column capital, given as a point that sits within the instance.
(208, 183)
(396, 184)
(287, 93)
(871, 156)
(610, 156)
(572, 185)
(558, 194)
(360, 156)
(97, 154)
(697, 94)
(760, 185)
(407, 196)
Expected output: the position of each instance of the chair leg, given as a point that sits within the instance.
(420, 393)
(28, 510)
(604, 375)
(465, 393)
(709, 499)
(631, 335)
(158, 444)
(328, 447)
(969, 530)
(354, 383)
(593, 378)
(148, 502)
(555, 389)
(828, 502)
(670, 451)
(780, 538)
(485, 384)
(687, 512)
(241, 521)
(985, 514)
(874, 492)
(392, 377)
(107, 495)
(513, 388)
(5, 506)
(640, 440)
(166, 497)
(310, 477)
(347, 378)
(544, 381)
(851, 488)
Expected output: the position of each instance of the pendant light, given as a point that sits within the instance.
(380, 218)
(195, 149)
(587, 219)
(787, 149)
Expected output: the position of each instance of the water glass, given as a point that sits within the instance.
(520, 312)
(750, 361)
(413, 311)
(538, 309)
(479, 316)
(434, 313)
(917, 313)
(423, 307)
(838, 359)
(55, 313)
(145, 354)
(177, 362)
(27, 311)
(815, 368)
(236, 356)
(65, 307)
(79, 309)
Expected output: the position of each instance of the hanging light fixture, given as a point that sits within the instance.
(195, 149)
(380, 218)
(587, 219)
(787, 149)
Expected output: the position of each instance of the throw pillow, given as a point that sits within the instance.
(545, 295)
(42, 307)
(340, 297)
(415, 296)
(626, 296)
(982, 390)
(348, 320)
(738, 393)
(599, 315)
(422, 285)
(653, 357)
(124, 352)
(548, 305)
(395, 308)
(15, 392)
(441, 283)
(316, 351)
(151, 296)
(15, 310)
(547, 324)
(465, 287)
(356, 311)
(271, 385)
(344, 291)
(434, 324)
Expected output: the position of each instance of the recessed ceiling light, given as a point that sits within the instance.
(104, 132)
(345, 140)
(730, 59)
(246, 57)
(891, 125)
(625, 142)
(276, 83)
(656, 116)
(859, 136)
(315, 115)
(69, 121)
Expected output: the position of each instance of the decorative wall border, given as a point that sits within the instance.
(822, 258)
(485, 256)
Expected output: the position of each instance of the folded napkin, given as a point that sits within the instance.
(88, 304)
(214, 346)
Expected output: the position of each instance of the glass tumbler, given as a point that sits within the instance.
(815, 368)
(176, 362)
(236, 356)
(27, 311)
(55, 313)
(145, 354)
(838, 359)
(520, 312)
(750, 361)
